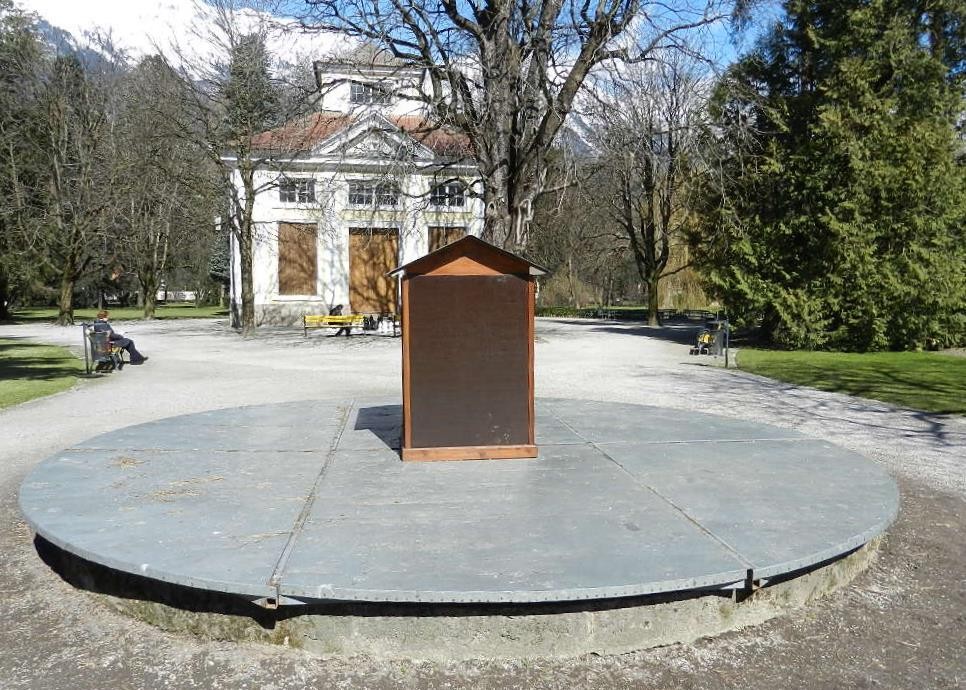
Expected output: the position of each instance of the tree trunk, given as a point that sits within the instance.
(246, 250)
(4, 297)
(652, 301)
(572, 282)
(496, 220)
(65, 303)
(149, 292)
(247, 274)
(507, 213)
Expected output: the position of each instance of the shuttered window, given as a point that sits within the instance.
(439, 237)
(297, 258)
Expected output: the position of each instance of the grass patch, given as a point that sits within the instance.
(921, 380)
(29, 370)
(164, 311)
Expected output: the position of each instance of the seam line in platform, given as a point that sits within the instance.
(776, 439)
(637, 480)
(114, 449)
(303, 516)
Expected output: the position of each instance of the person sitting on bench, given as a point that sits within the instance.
(337, 311)
(101, 325)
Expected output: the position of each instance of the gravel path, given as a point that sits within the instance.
(903, 624)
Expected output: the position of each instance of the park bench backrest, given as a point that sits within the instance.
(100, 345)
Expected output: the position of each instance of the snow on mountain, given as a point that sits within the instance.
(172, 28)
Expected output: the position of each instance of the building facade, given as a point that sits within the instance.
(358, 187)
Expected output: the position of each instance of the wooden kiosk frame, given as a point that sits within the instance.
(467, 354)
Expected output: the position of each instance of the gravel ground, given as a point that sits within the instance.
(901, 624)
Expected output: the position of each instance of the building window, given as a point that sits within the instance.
(297, 190)
(452, 195)
(368, 94)
(373, 193)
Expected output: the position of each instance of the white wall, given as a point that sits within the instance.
(336, 91)
(334, 217)
(331, 212)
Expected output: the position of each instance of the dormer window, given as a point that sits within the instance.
(296, 190)
(373, 194)
(368, 94)
(448, 195)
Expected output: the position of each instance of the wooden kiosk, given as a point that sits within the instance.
(467, 353)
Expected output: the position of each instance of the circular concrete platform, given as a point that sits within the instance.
(309, 502)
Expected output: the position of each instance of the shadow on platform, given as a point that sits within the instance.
(384, 421)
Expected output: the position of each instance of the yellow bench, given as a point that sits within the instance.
(326, 321)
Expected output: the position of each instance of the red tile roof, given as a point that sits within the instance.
(301, 134)
(443, 141)
(304, 133)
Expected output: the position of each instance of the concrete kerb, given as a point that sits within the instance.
(457, 632)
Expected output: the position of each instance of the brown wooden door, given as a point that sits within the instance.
(373, 252)
(439, 237)
(297, 259)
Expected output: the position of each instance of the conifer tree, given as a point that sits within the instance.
(841, 224)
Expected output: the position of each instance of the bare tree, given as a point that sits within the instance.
(577, 240)
(164, 199)
(232, 96)
(507, 72)
(655, 141)
(75, 199)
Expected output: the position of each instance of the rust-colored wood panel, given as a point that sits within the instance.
(531, 336)
(469, 453)
(439, 236)
(407, 439)
(297, 258)
(464, 266)
(373, 252)
(468, 361)
(498, 261)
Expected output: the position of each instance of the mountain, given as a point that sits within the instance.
(137, 28)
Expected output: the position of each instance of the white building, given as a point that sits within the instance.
(365, 185)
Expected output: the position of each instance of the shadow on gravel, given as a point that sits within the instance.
(734, 392)
(721, 391)
(683, 331)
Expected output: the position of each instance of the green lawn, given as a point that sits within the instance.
(29, 370)
(165, 311)
(927, 381)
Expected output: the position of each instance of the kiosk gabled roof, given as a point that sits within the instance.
(469, 251)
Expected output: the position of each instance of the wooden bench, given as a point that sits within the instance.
(327, 321)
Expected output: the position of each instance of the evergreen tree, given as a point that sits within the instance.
(841, 224)
(21, 170)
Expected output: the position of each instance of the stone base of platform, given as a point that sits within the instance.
(459, 632)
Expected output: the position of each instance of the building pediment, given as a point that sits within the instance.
(380, 144)
(376, 138)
